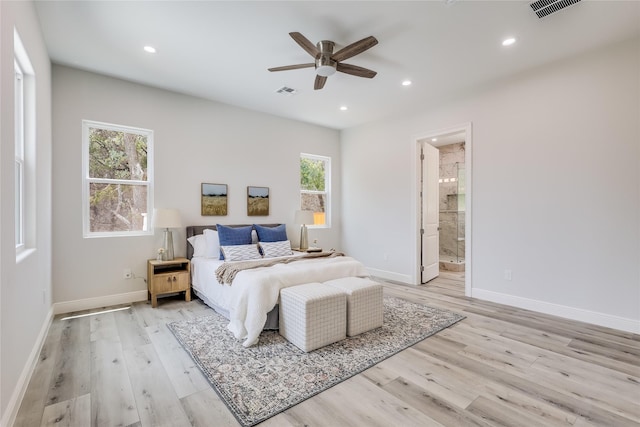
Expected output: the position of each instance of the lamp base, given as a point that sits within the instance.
(168, 245)
(304, 238)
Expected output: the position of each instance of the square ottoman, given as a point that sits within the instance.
(365, 309)
(313, 315)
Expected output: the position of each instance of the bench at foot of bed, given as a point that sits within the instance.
(364, 303)
(313, 315)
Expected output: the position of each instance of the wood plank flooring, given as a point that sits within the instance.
(501, 366)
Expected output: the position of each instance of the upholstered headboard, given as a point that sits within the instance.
(192, 230)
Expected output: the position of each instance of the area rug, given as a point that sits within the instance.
(259, 382)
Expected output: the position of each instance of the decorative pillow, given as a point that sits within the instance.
(232, 236)
(271, 234)
(275, 249)
(199, 244)
(213, 244)
(240, 252)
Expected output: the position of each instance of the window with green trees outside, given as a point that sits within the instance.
(315, 187)
(117, 166)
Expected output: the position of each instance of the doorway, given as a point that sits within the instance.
(451, 183)
(451, 205)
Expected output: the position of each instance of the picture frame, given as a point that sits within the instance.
(213, 199)
(257, 201)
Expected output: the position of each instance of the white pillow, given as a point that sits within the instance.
(213, 243)
(199, 245)
(275, 249)
(240, 252)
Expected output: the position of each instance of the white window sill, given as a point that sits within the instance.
(24, 254)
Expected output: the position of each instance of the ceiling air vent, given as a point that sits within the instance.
(543, 8)
(286, 90)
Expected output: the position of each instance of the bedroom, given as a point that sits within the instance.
(574, 167)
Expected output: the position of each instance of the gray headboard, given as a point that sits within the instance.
(192, 230)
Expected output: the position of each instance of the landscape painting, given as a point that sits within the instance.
(214, 199)
(257, 201)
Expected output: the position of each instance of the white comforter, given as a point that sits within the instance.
(255, 292)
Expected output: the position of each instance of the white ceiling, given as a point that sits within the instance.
(221, 50)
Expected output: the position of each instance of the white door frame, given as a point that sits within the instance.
(417, 141)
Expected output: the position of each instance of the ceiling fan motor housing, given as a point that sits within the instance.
(325, 66)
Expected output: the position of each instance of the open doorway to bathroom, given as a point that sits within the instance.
(452, 185)
(452, 206)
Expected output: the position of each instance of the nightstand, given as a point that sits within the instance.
(166, 277)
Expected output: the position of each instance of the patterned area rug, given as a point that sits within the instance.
(259, 382)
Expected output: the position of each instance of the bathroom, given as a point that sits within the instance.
(452, 207)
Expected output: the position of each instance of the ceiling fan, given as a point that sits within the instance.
(327, 62)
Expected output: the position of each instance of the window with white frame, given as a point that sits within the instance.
(24, 113)
(315, 187)
(118, 177)
(19, 155)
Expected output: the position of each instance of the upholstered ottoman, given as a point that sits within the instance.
(313, 315)
(364, 303)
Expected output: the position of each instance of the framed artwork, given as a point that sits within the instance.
(257, 201)
(213, 199)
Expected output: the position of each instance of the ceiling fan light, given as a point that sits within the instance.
(325, 70)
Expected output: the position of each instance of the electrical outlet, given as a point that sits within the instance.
(507, 275)
(127, 273)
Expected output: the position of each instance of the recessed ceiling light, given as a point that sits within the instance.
(344, 108)
(406, 83)
(434, 139)
(150, 49)
(509, 41)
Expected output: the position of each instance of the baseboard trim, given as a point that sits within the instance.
(390, 275)
(19, 391)
(97, 302)
(572, 313)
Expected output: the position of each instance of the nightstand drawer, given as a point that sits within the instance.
(170, 282)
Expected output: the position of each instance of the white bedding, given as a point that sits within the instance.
(255, 292)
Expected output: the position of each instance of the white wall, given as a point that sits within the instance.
(196, 141)
(556, 188)
(25, 285)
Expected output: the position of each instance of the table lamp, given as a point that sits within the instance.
(167, 218)
(304, 218)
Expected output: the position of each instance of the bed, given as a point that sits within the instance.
(250, 302)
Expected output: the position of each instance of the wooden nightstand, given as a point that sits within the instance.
(166, 277)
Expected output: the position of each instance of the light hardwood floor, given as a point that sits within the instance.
(501, 366)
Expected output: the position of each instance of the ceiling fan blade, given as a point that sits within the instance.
(304, 43)
(354, 70)
(354, 48)
(319, 83)
(292, 67)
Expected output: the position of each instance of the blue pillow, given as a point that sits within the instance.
(232, 236)
(271, 234)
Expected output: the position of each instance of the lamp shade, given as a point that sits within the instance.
(166, 218)
(304, 217)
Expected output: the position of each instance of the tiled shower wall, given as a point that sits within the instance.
(451, 211)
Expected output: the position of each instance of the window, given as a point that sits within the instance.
(315, 187)
(24, 113)
(117, 171)
(19, 154)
